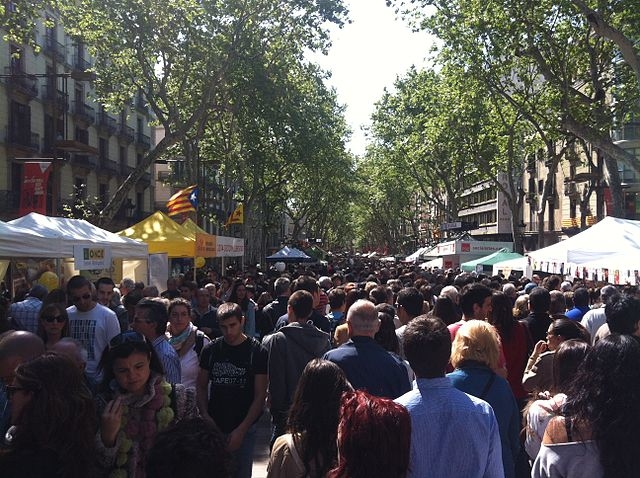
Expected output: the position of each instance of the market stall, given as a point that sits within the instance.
(485, 264)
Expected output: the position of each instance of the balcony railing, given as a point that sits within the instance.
(54, 48)
(125, 170)
(83, 112)
(21, 82)
(126, 133)
(628, 132)
(85, 161)
(143, 141)
(108, 164)
(24, 138)
(140, 104)
(106, 122)
(51, 95)
(80, 63)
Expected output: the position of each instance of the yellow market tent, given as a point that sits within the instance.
(163, 235)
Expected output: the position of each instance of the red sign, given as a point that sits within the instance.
(465, 247)
(33, 195)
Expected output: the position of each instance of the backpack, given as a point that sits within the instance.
(199, 342)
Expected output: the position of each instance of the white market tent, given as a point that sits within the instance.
(20, 242)
(416, 255)
(64, 233)
(519, 264)
(610, 243)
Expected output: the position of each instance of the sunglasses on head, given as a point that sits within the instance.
(128, 337)
(12, 389)
(53, 318)
(79, 298)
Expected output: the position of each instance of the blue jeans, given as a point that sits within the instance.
(242, 458)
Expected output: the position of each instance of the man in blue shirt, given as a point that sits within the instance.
(453, 434)
(367, 365)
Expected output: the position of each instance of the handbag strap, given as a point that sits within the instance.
(488, 385)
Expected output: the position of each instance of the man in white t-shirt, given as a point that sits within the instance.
(89, 322)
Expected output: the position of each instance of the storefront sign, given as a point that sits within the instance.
(229, 246)
(91, 257)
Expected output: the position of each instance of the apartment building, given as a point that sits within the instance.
(48, 117)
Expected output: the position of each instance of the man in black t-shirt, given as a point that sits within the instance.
(232, 385)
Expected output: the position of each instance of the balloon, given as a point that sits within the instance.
(280, 267)
(200, 262)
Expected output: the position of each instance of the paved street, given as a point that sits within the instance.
(261, 454)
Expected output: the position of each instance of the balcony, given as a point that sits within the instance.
(54, 49)
(106, 123)
(628, 132)
(21, 84)
(145, 179)
(108, 165)
(165, 176)
(125, 170)
(55, 98)
(22, 139)
(83, 113)
(80, 63)
(84, 161)
(126, 134)
(143, 141)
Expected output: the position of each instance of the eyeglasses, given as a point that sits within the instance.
(128, 337)
(75, 299)
(54, 318)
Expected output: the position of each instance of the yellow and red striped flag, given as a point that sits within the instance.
(185, 200)
(236, 217)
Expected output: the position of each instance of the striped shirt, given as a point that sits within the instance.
(169, 359)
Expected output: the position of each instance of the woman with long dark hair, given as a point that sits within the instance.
(135, 403)
(515, 340)
(374, 437)
(566, 360)
(309, 448)
(538, 374)
(53, 421)
(53, 324)
(598, 434)
(239, 296)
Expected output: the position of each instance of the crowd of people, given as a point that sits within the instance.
(365, 372)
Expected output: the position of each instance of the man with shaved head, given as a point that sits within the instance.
(367, 365)
(16, 347)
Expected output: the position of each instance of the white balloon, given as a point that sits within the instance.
(280, 266)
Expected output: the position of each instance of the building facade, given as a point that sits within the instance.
(48, 115)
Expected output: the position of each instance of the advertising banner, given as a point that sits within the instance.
(92, 257)
(33, 193)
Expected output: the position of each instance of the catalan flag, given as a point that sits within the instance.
(185, 200)
(237, 216)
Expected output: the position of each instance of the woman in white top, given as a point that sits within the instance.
(565, 363)
(599, 434)
(186, 339)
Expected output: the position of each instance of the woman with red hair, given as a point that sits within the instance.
(373, 438)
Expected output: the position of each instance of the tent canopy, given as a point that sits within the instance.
(498, 256)
(68, 232)
(163, 235)
(290, 254)
(610, 239)
(416, 255)
(19, 242)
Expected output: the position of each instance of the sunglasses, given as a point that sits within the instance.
(79, 298)
(54, 318)
(12, 389)
(128, 337)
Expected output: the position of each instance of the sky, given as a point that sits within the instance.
(368, 55)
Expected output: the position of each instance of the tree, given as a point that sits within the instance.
(185, 56)
(569, 58)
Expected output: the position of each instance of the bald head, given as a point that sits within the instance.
(16, 347)
(73, 349)
(362, 319)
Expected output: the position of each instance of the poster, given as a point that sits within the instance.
(33, 193)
